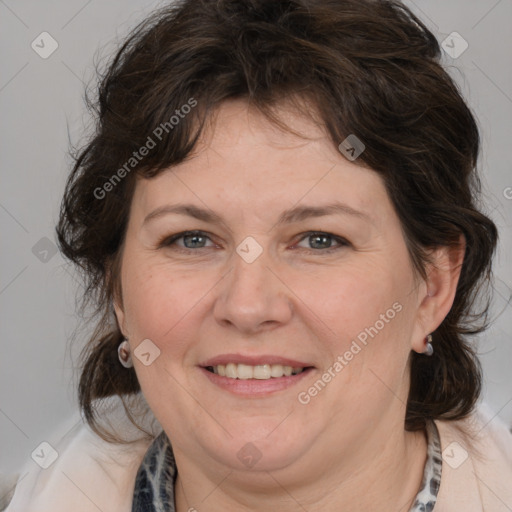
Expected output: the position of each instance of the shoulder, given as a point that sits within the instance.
(87, 473)
(477, 463)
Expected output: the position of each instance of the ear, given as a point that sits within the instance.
(121, 318)
(117, 298)
(441, 285)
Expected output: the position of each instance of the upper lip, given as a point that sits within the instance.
(253, 360)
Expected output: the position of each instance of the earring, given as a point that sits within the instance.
(429, 349)
(123, 351)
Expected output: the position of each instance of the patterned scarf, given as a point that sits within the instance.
(154, 485)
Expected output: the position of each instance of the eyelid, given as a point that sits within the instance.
(167, 241)
(343, 242)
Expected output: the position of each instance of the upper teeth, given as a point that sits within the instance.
(263, 371)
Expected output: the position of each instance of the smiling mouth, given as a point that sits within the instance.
(259, 372)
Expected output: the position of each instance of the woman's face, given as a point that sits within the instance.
(258, 286)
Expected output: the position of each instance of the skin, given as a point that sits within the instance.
(348, 444)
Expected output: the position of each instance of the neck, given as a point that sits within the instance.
(384, 475)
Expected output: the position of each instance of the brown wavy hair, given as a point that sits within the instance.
(366, 67)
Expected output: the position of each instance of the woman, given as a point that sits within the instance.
(277, 221)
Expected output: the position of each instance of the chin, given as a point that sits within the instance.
(260, 446)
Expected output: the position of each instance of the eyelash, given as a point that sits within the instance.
(169, 241)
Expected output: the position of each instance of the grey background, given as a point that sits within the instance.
(42, 99)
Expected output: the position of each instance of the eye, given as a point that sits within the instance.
(191, 240)
(322, 242)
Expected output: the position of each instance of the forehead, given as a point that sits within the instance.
(243, 159)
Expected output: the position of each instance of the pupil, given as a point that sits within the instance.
(193, 237)
(321, 237)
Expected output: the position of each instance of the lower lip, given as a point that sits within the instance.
(255, 387)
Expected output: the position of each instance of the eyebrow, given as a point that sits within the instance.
(295, 214)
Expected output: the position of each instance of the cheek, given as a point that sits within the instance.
(352, 298)
(365, 311)
(158, 298)
(162, 305)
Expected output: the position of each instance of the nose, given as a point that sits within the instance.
(253, 297)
